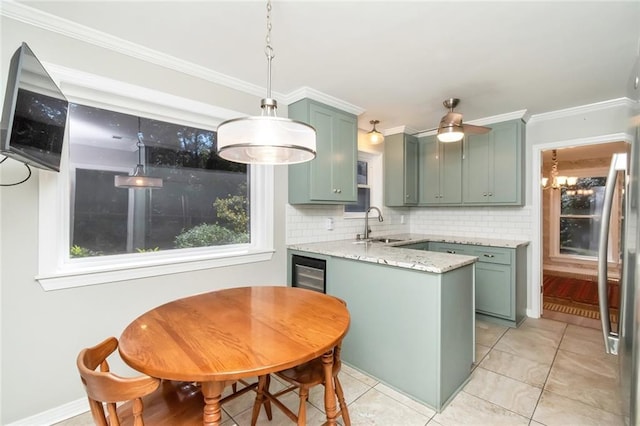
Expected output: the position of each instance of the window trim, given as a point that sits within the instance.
(56, 270)
(555, 223)
(374, 182)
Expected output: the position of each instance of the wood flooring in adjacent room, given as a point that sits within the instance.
(575, 299)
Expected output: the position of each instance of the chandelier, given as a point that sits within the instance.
(554, 181)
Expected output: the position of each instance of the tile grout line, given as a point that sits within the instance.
(544, 385)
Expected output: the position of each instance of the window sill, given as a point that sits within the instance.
(153, 266)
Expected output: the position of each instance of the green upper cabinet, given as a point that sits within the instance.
(330, 178)
(400, 170)
(494, 166)
(440, 172)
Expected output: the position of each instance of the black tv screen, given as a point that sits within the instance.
(34, 116)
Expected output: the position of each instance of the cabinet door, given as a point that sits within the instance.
(429, 171)
(321, 185)
(451, 172)
(505, 166)
(476, 168)
(343, 159)
(493, 289)
(410, 169)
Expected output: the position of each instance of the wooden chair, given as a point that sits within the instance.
(146, 399)
(302, 377)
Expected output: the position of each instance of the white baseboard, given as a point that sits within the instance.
(55, 415)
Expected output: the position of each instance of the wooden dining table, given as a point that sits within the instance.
(220, 337)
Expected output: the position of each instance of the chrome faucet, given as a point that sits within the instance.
(366, 220)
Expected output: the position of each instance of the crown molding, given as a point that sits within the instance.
(399, 129)
(583, 109)
(520, 114)
(65, 27)
(316, 95)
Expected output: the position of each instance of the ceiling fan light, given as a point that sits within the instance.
(266, 140)
(450, 134)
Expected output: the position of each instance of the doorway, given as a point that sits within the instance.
(572, 190)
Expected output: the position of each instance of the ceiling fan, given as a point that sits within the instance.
(451, 128)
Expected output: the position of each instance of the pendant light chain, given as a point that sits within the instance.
(268, 50)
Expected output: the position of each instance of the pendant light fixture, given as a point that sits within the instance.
(266, 139)
(138, 180)
(555, 181)
(375, 137)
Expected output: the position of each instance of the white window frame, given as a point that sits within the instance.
(56, 270)
(374, 182)
(554, 239)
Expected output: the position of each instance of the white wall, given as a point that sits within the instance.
(42, 332)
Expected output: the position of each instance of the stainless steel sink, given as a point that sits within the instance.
(386, 240)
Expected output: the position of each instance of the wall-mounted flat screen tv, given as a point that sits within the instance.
(34, 115)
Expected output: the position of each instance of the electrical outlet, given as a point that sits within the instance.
(329, 224)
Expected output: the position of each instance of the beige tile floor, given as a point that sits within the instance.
(545, 372)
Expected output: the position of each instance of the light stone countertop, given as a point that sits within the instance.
(387, 254)
(488, 242)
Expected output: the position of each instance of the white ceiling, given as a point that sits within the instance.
(396, 60)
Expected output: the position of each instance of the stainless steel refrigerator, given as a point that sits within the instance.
(625, 340)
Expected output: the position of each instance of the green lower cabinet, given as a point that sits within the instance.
(500, 279)
(412, 330)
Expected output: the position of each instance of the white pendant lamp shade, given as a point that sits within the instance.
(450, 134)
(266, 140)
(138, 182)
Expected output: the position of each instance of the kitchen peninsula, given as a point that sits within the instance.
(412, 308)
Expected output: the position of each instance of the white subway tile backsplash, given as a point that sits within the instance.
(479, 222)
(308, 223)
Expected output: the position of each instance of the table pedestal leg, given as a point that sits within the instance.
(329, 391)
(212, 392)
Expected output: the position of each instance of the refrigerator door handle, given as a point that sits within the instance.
(611, 338)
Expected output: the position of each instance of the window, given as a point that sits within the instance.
(123, 234)
(364, 190)
(576, 227)
(202, 202)
(580, 217)
(369, 181)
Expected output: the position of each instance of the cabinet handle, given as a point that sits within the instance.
(407, 196)
(451, 251)
(484, 194)
(489, 255)
(491, 194)
(339, 191)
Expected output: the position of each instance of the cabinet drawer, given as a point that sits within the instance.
(492, 255)
(451, 248)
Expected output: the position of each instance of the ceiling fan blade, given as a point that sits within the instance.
(475, 130)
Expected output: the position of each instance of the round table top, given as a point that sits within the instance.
(234, 333)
